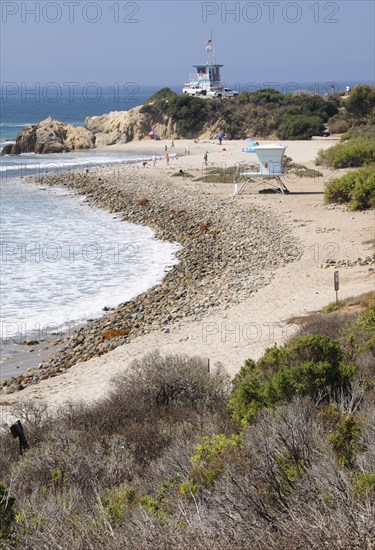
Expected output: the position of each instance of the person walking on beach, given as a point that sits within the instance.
(154, 159)
(188, 149)
(167, 158)
(165, 147)
(205, 158)
(172, 144)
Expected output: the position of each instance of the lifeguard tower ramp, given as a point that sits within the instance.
(270, 159)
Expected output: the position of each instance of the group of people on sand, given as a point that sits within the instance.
(168, 158)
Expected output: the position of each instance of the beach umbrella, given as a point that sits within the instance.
(250, 140)
(152, 133)
(221, 136)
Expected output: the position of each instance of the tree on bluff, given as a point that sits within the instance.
(361, 102)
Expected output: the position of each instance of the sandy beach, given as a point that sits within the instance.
(236, 329)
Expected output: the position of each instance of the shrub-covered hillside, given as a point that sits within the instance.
(263, 113)
(177, 457)
(356, 150)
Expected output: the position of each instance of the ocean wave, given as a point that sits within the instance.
(64, 164)
(75, 258)
(15, 124)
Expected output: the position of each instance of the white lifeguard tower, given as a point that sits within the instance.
(207, 75)
(270, 159)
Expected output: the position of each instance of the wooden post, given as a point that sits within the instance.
(336, 281)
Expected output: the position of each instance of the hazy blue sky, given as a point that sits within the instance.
(260, 42)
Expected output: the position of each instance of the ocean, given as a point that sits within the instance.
(63, 261)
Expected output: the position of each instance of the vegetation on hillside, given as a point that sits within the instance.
(356, 150)
(262, 113)
(265, 113)
(177, 457)
(356, 188)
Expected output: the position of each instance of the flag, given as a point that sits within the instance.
(209, 46)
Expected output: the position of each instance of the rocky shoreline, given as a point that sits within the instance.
(228, 252)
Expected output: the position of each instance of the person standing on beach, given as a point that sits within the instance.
(188, 149)
(205, 158)
(172, 144)
(167, 158)
(154, 159)
(165, 147)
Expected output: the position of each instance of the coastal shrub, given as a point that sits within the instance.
(262, 127)
(361, 102)
(315, 105)
(189, 113)
(333, 324)
(262, 97)
(338, 125)
(363, 194)
(161, 381)
(208, 462)
(233, 127)
(360, 342)
(307, 365)
(346, 441)
(161, 95)
(300, 127)
(356, 188)
(353, 153)
(155, 104)
(365, 484)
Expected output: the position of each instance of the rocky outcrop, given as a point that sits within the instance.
(53, 136)
(125, 126)
(50, 136)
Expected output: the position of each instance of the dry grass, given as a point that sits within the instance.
(352, 305)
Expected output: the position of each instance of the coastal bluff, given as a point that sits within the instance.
(54, 136)
(132, 125)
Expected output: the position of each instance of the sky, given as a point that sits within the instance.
(157, 42)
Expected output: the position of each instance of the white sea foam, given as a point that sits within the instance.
(63, 261)
(31, 163)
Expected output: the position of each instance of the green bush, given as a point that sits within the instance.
(162, 95)
(190, 113)
(262, 97)
(307, 365)
(361, 336)
(361, 102)
(357, 188)
(157, 101)
(365, 484)
(352, 153)
(345, 441)
(314, 105)
(300, 127)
